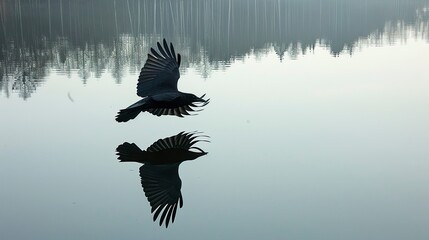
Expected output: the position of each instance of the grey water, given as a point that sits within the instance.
(318, 118)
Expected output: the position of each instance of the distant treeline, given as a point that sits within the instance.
(95, 35)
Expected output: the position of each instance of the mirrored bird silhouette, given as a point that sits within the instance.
(157, 85)
(160, 173)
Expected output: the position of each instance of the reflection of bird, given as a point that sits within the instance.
(160, 173)
(157, 85)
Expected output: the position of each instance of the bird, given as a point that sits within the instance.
(157, 85)
(160, 171)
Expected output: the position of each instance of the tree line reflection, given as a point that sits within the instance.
(95, 36)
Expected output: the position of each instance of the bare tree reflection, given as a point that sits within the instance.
(108, 35)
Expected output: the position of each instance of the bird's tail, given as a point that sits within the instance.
(129, 152)
(127, 114)
(131, 112)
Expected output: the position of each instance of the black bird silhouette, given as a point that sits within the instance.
(157, 85)
(160, 173)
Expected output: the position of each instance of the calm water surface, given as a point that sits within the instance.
(318, 118)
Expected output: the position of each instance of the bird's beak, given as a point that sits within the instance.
(201, 99)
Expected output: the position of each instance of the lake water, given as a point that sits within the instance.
(318, 119)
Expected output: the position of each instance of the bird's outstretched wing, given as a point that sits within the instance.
(160, 72)
(182, 140)
(161, 185)
(179, 111)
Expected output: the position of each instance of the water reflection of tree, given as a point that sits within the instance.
(90, 37)
(26, 69)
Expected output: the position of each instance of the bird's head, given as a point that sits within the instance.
(191, 155)
(194, 99)
(195, 152)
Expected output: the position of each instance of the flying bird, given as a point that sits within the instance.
(160, 173)
(157, 85)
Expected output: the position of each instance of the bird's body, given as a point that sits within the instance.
(130, 152)
(157, 85)
(160, 173)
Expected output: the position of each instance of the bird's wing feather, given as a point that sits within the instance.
(180, 141)
(160, 72)
(179, 110)
(162, 184)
